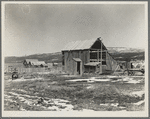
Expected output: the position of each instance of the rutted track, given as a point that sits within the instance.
(48, 104)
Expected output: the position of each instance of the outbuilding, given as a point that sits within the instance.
(89, 56)
(34, 63)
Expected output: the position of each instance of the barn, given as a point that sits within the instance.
(89, 56)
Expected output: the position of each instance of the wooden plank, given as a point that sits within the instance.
(98, 55)
(108, 62)
(88, 56)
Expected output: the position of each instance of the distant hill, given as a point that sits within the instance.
(118, 53)
(122, 53)
(115, 50)
(47, 57)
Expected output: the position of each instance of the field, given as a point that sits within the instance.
(49, 92)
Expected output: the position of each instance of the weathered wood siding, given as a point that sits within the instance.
(111, 63)
(70, 66)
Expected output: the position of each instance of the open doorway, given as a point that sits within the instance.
(78, 67)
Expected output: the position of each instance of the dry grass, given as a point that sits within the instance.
(81, 97)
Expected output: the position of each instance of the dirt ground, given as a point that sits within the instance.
(48, 92)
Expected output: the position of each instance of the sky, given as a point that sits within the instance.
(47, 28)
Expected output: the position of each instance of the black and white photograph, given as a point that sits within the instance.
(74, 59)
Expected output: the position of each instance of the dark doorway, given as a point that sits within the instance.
(78, 67)
(131, 66)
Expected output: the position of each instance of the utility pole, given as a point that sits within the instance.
(101, 56)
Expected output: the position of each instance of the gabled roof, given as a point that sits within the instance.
(38, 63)
(35, 62)
(41, 62)
(54, 59)
(80, 45)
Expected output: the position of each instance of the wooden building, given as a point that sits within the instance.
(34, 63)
(89, 56)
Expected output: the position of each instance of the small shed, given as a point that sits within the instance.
(28, 62)
(34, 63)
(87, 56)
(39, 64)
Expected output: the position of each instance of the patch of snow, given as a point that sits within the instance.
(28, 102)
(113, 76)
(127, 79)
(109, 104)
(91, 80)
(53, 108)
(114, 104)
(22, 109)
(10, 100)
(20, 90)
(57, 102)
(12, 93)
(90, 87)
(22, 99)
(106, 104)
(116, 80)
(61, 100)
(139, 103)
(134, 81)
(102, 80)
(121, 107)
(22, 79)
(43, 73)
(7, 96)
(74, 80)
